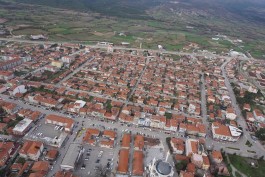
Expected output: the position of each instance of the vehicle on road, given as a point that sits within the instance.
(83, 167)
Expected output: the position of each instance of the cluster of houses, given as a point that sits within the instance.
(33, 159)
(111, 76)
(17, 121)
(195, 159)
(255, 70)
(104, 139)
(240, 72)
(28, 57)
(170, 85)
(30, 152)
(220, 112)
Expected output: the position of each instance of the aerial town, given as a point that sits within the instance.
(72, 110)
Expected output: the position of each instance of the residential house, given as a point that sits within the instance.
(177, 145)
(258, 115)
(217, 156)
(31, 150)
(5, 152)
(230, 114)
(226, 133)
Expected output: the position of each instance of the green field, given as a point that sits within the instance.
(243, 165)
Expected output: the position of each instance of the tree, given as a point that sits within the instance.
(21, 160)
(108, 106)
(181, 165)
(2, 111)
(168, 115)
(261, 134)
(18, 118)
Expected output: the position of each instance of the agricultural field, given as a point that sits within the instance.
(150, 22)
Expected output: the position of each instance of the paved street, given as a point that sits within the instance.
(203, 54)
(203, 101)
(76, 70)
(139, 79)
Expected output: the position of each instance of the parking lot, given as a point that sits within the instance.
(95, 160)
(47, 133)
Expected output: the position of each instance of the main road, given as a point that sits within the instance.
(208, 54)
(256, 146)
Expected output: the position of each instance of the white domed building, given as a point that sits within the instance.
(160, 168)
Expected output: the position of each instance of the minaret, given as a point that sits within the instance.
(153, 164)
(110, 48)
(167, 156)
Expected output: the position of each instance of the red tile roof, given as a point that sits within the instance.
(126, 140)
(138, 165)
(123, 161)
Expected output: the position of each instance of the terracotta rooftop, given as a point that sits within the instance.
(179, 157)
(64, 174)
(123, 161)
(5, 148)
(126, 140)
(31, 147)
(186, 174)
(139, 142)
(67, 121)
(109, 133)
(221, 129)
(217, 155)
(138, 166)
(190, 168)
(40, 166)
(37, 174)
(52, 154)
(93, 131)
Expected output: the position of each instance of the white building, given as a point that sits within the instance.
(19, 89)
(22, 127)
(225, 133)
(258, 115)
(67, 59)
(191, 108)
(230, 114)
(193, 146)
(72, 157)
(145, 122)
(160, 168)
(31, 150)
(58, 141)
